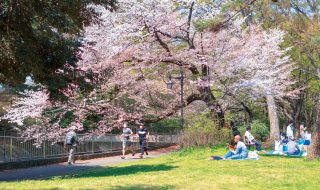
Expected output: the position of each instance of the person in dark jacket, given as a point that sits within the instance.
(143, 135)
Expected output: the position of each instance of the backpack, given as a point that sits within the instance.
(70, 139)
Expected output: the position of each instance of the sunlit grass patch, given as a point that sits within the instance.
(189, 169)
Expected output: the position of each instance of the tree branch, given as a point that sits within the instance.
(190, 40)
(161, 42)
(175, 109)
(194, 70)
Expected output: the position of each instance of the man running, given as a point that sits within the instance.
(126, 143)
(143, 135)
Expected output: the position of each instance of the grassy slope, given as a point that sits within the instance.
(189, 169)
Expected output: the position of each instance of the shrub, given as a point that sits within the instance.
(68, 117)
(202, 130)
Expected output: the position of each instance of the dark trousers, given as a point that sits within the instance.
(258, 145)
(143, 145)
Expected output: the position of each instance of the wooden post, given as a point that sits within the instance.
(11, 149)
(44, 149)
(92, 144)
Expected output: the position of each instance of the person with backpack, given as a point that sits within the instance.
(143, 135)
(126, 143)
(71, 142)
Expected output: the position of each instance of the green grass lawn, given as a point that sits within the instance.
(190, 169)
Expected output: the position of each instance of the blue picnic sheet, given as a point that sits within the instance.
(281, 154)
(220, 158)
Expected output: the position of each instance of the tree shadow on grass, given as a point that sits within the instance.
(122, 170)
(79, 171)
(132, 187)
(153, 187)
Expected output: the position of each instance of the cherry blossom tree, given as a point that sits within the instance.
(30, 103)
(132, 52)
(213, 49)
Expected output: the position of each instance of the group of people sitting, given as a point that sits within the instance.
(238, 149)
(289, 146)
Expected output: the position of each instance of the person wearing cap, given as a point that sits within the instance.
(71, 141)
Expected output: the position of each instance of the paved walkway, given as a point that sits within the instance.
(43, 172)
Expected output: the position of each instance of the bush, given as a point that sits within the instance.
(66, 120)
(258, 129)
(201, 131)
(170, 122)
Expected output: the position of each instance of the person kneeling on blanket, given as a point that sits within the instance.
(293, 148)
(241, 151)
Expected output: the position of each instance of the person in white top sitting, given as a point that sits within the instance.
(303, 131)
(251, 140)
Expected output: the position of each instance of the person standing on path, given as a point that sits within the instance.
(71, 143)
(126, 143)
(143, 135)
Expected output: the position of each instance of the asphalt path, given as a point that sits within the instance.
(48, 171)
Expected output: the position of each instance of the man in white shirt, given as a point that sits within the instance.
(251, 140)
(290, 131)
(126, 142)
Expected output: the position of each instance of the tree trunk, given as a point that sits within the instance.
(273, 118)
(214, 106)
(248, 112)
(314, 150)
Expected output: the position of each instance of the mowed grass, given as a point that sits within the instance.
(189, 169)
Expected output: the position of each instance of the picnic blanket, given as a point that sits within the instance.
(252, 155)
(281, 154)
(220, 158)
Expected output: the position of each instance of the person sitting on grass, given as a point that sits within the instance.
(302, 131)
(251, 140)
(293, 148)
(241, 151)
